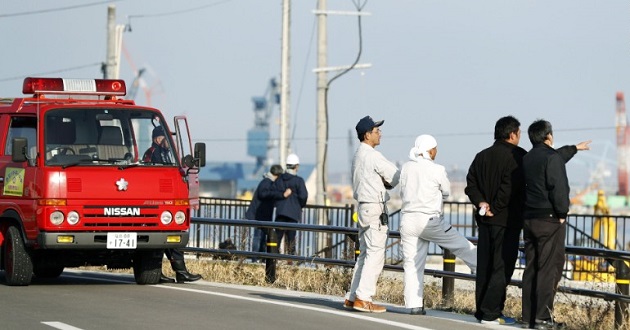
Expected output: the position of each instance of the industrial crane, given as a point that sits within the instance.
(258, 138)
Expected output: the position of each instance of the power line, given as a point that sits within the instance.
(51, 72)
(407, 136)
(44, 11)
(183, 11)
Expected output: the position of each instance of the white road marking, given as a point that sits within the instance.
(61, 326)
(317, 309)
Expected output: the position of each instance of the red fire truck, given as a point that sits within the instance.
(76, 189)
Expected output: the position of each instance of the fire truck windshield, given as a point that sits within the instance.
(97, 136)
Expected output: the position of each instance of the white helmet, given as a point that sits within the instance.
(293, 159)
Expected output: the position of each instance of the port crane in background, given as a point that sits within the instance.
(258, 138)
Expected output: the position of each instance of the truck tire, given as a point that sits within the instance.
(147, 267)
(18, 265)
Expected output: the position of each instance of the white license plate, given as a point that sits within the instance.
(122, 240)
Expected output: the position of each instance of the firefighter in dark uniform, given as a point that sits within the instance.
(159, 153)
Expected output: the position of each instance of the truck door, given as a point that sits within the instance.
(183, 148)
(18, 187)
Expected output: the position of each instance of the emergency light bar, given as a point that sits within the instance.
(74, 86)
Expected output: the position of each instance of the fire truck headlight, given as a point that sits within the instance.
(73, 217)
(166, 217)
(180, 217)
(56, 218)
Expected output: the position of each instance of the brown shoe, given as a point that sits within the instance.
(368, 306)
(348, 304)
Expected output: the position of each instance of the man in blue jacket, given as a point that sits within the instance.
(290, 208)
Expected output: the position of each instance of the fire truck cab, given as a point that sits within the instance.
(80, 184)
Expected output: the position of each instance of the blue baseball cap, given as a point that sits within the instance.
(366, 124)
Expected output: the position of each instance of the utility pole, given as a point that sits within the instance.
(284, 82)
(321, 123)
(111, 68)
(324, 239)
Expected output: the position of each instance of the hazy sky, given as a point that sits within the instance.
(447, 68)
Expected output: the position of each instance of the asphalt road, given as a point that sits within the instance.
(92, 301)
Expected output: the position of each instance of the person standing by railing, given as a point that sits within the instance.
(262, 204)
(289, 209)
(372, 176)
(544, 230)
(494, 184)
(423, 187)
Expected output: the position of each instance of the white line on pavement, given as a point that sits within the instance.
(317, 309)
(61, 326)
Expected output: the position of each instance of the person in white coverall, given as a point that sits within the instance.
(423, 186)
(372, 175)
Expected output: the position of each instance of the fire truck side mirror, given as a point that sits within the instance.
(18, 150)
(200, 154)
(188, 161)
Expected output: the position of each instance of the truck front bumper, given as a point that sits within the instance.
(98, 240)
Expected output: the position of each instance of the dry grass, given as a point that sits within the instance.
(578, 314)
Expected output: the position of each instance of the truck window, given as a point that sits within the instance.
(25, 127)
(103, 137)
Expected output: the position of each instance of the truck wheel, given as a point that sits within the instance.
(47, 271)
(147, 267)
(18, 265)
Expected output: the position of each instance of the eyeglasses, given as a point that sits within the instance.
(378, 130)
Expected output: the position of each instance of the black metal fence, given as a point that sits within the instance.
(584, 230)
(334, 245)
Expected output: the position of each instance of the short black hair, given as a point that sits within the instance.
(276, 170)
(505, 126)
(361, 136)
(538, 131)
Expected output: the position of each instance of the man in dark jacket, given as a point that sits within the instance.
(262, 204)
(544, 231)
(495, 186)
(290, 209)
(159, 153)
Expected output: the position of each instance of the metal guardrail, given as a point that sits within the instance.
(619, 258)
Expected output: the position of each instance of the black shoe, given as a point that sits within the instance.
(418, 311)
(186, 277)
(181, 273)
(548, 325)
(165, 279)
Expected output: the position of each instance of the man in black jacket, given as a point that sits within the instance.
(262, 204)
(544, 231)
(495, 186)
(159, 153)
(290, 208)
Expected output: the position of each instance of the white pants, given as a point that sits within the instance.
(416, 231)
(372, 239)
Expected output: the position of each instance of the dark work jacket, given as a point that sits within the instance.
(261, 206)
(157, 155)
(546, 183)
(496, 177)
(291, 207)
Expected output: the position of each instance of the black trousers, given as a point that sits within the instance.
(174, 254)
(290, 235)
(544, 254)
(497, 251)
